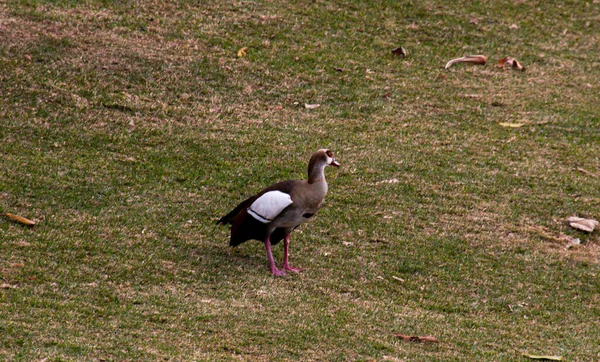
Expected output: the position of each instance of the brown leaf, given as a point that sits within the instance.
(572, 242)
(511, 125)
(390, 181)
(418, 339)
(543, 358)
(400, 52)
(311, 106)
(430, 339)
(582, 224)
(398, 279)
(242, 52)
(509, 62)
(16, 265)
(472, 59)
(405, 337)
(19, 219)
(587, 172)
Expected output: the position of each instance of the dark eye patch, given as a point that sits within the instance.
(307, 215)
(329, 153)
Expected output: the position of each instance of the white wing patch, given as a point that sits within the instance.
(269, 205)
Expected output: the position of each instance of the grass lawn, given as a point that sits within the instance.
(127, 128)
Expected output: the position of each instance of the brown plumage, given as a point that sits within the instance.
(272, 214)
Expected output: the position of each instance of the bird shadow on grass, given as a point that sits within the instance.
(224, 260)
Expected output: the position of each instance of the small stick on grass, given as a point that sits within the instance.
(18, 219)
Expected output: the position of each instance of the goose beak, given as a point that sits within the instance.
(334, 163)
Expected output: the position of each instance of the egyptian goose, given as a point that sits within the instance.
(273, 213)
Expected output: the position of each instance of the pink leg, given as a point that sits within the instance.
(276, 272)
(285, 265)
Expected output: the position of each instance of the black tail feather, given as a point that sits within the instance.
(228, 219)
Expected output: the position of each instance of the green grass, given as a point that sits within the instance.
(128, 128)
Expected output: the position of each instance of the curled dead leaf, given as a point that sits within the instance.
(242, 52)
(7, 286)
(472, 59)
(509, 62)
(579, 223)
(398, 279)
(418, 339)
(572, 242)
(311, 106)
(19, 219)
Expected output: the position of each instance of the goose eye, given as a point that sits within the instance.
(329, 153)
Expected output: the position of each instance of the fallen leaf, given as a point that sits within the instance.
(587, 172)
(398, 279)
(472, 59)
(338, 69)
(418, 339)
(390, 181)
(7, 286)
(16, 265)
(19, 219)
(572, 242)
(28, 57)
(545, 358)
(242, 52)
(509, 62)
(514, 26)
(430, 339)
(511, 125)
(400, 52)
(582, 224)
(311, 106)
